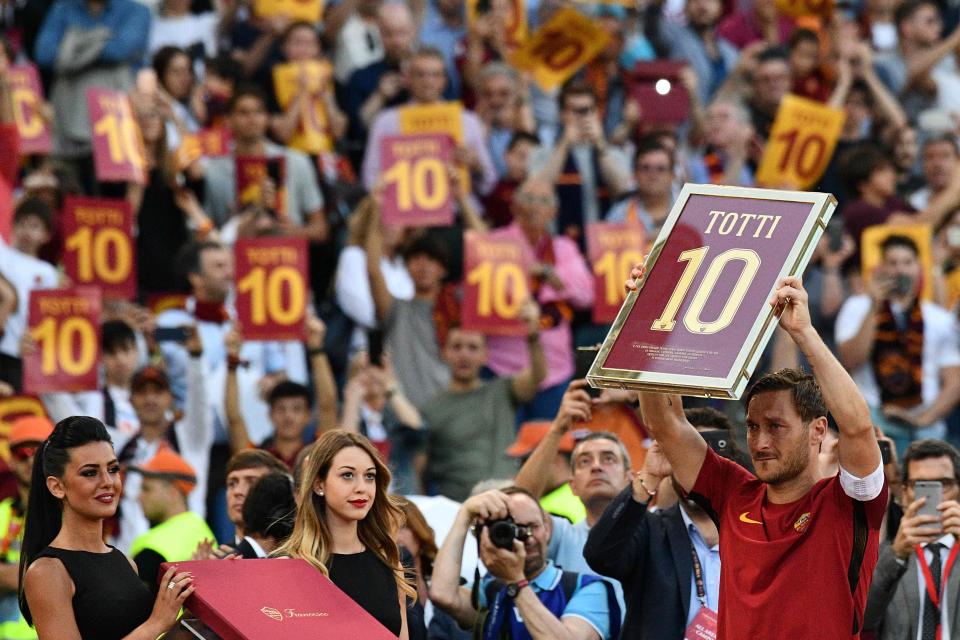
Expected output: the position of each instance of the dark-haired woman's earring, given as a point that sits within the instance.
(321, 493)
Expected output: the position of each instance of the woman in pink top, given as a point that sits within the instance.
(561, 283)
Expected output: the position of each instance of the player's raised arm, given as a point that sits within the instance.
(858, 450)
(663, 416)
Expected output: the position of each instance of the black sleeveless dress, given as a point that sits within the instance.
(109, 600)
(369, 583)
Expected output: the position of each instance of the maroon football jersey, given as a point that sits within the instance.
(785, 566)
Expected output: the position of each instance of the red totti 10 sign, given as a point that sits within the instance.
(700, 319)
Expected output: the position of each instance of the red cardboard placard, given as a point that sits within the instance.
(26, 94)
(117, 146)
(613, 250)
(98, 245)
(417, 184)
(272, 288)
(496, 283)
(65, 327)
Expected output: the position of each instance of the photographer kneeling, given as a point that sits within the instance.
(524, 595)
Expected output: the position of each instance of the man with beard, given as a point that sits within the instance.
(524, 595)
(472, 422)
(901, 351)
(791, 540)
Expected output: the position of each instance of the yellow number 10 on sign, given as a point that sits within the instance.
(266, 295)
(615, 270)
(56, 339)
(501, 289)
(691, 319)
(93, 251)
(412, 179)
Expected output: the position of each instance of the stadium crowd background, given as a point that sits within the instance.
(450, 409)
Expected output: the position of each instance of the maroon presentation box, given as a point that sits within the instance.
(274, 599)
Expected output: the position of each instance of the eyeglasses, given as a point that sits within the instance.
(22, 454)
(947, 483)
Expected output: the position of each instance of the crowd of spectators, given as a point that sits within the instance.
(476, 427)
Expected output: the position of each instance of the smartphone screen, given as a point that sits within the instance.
(932, 490)
(885, 453)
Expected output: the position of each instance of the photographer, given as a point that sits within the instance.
(524, 595)
(901, 351)
(899, 601)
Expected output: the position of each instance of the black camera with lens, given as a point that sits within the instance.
(503, 532)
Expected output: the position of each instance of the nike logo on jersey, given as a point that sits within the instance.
(745, 517)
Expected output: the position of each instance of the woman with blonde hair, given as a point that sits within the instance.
(347, 525)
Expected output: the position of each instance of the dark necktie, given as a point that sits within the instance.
(931, 612)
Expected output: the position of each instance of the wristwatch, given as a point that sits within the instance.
(514, 588)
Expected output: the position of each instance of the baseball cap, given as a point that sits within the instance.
(149, 375)
(30, 429)
(167, 465)
(530, 435)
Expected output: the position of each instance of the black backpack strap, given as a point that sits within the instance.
(569, 581)
(860, 532)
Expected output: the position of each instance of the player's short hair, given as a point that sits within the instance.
(807, 397)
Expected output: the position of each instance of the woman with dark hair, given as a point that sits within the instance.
(268, 515)
(347, 524)
(72, 584)
(176, 88)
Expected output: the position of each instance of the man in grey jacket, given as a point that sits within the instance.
(915, 593)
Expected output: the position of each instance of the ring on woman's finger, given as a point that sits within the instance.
(171, 584)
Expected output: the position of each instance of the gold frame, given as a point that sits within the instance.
(732, 386)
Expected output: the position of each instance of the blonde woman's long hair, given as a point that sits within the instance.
(311, 539)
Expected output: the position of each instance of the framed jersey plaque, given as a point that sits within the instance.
(700, 317)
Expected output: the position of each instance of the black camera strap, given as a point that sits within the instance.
(475, 590)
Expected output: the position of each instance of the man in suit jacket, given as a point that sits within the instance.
(651, 552)
(898, 603)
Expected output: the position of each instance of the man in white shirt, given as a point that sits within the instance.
(899, 605)
(901, 351)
